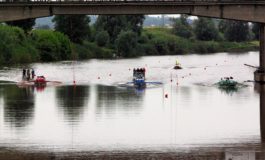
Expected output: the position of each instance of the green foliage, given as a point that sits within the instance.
(26, 24)
(181, 27)
(114, 24)
(255, 30)
(102, 38)
(206, 47)
(92, 50)
(126, 44)
(15, 46)
(76, 27)
(205, 30)
(162, 42)
(51, 45)
(236, 31)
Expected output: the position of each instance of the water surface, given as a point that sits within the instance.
(97, 115)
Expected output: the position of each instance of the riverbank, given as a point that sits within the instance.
(18, 47)
(167, 43)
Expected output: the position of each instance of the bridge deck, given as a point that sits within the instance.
(133, 2)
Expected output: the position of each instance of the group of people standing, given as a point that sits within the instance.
(139, 70)
(28, 74)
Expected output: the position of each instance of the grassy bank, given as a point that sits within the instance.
(164, 42)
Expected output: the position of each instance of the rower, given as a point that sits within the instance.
(23, 73)
(32, 73)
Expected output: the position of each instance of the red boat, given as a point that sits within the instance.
(40, 81)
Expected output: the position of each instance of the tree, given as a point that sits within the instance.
(126, 44)
(222, 26)
(76, 27)
(114, 24)
(205, 30)
(181, 27)
(102, 38)
(255, 30)
(236, 31)
(26, 24)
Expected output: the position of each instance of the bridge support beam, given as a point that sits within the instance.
(259, 75)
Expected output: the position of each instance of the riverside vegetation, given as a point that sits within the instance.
(121, 36)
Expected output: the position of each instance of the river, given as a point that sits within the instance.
(186, 115)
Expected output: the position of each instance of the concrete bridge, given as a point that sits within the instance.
(244, 10)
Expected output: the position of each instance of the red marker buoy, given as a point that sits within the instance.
(109, 74)
(166, 95)
(98, 77)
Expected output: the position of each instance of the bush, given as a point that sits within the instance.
(15, 47)
(52, 45)
(206, 47)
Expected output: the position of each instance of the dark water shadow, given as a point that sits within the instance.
(72, 100)
(19, 105)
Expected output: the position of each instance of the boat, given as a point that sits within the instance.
(139, 78)
(40, 81)
(177, 66)
(227, 82)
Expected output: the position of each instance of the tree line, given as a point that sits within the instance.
(120, 36)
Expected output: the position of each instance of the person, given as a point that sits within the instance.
(28, 74)
(32, 73)
(23, 73)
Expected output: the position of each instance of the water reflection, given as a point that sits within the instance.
(99, 118)
(72, 101)
(260, 88)
(110, 99)
(18, 105)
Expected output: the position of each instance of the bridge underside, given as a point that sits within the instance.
(244, 12)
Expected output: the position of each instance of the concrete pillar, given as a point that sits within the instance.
(262, 112)
(262, 48)
(259, 75)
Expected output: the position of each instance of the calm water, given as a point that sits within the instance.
(98, 115)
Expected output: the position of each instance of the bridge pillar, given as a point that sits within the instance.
(259, 75)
